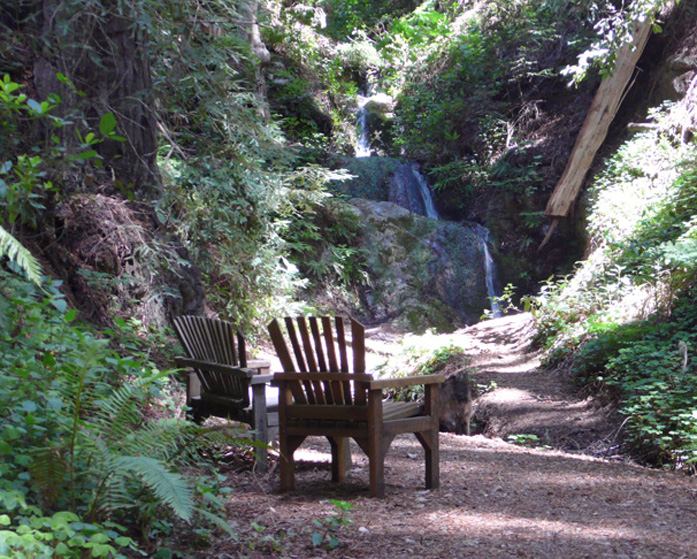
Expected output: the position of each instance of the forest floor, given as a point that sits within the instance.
(570, 496)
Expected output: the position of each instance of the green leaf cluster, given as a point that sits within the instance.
(324, 243)
(327, 529)
(79, 463)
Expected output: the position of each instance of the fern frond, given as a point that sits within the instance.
(49, 471)
(161, 439)
(219, 521)
(15, 251)
(170, 488)
(117, 415)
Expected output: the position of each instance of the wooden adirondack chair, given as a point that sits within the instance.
(320, 395)
(222, 379)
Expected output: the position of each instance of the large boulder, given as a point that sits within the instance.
(423, 273)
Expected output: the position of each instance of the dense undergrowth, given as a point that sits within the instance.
(624, 322)
(94, 459)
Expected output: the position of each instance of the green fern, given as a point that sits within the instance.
(169, 487)
(13, 249)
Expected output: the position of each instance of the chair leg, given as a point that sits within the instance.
(195, 412)
(261, 428)
(378, 447)
(261, 450)
(341, 457)
(287, 446)
(429, 440)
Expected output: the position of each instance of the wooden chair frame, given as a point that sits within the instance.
(221, 379)
(319, 395)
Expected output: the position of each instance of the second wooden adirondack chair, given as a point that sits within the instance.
(320, 394)
(222, 379)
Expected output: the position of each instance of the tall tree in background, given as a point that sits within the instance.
(102, 48)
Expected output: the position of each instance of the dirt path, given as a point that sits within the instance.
(529, 401)
(496, 500)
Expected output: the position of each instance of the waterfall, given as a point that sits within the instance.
(489, 269)
(409, 189)
(425, 190)
(362, 138)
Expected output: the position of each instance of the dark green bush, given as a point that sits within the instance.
(649, 368)
(80, 467)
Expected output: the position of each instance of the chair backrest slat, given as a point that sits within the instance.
(297, 350)
(314, 345)
(343, 354)
(336, 390)
(341, 340)
(314, 327)
(332, 364)
(358, 345)
(284, 356)
(307, 345)
(213, 341)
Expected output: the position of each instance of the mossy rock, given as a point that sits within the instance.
(371, 177)
(423, 273)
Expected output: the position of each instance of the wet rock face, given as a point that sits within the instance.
(424, 273)
(409, 189)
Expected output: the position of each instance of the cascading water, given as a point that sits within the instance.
(362, 137)
(489, 269)
(409, 189)
(425, 190)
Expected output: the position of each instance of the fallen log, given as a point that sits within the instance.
(602, 111)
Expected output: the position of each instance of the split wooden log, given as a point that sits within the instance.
(602, 111)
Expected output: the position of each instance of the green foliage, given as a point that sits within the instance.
(314, 92)
(649, 368)
(420, 355)
(527, 440)
(227, 172)
(24, 185)
(504, 302)
(265, 541)
(328, 528)
(324, 242)
(78, 461)
(464, 100)
(615, 30)
(60, 535)
(20, 256)
(625, 319)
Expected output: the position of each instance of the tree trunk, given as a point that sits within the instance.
(104, 52)
(601, 113)
(249, 13)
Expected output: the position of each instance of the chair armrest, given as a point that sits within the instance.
(405, 381)
(261, 366)
(216, 367)
(260, 379)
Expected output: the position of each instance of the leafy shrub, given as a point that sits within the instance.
(325, 244)
(78, 461)
(649, 368)
(420, 355)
